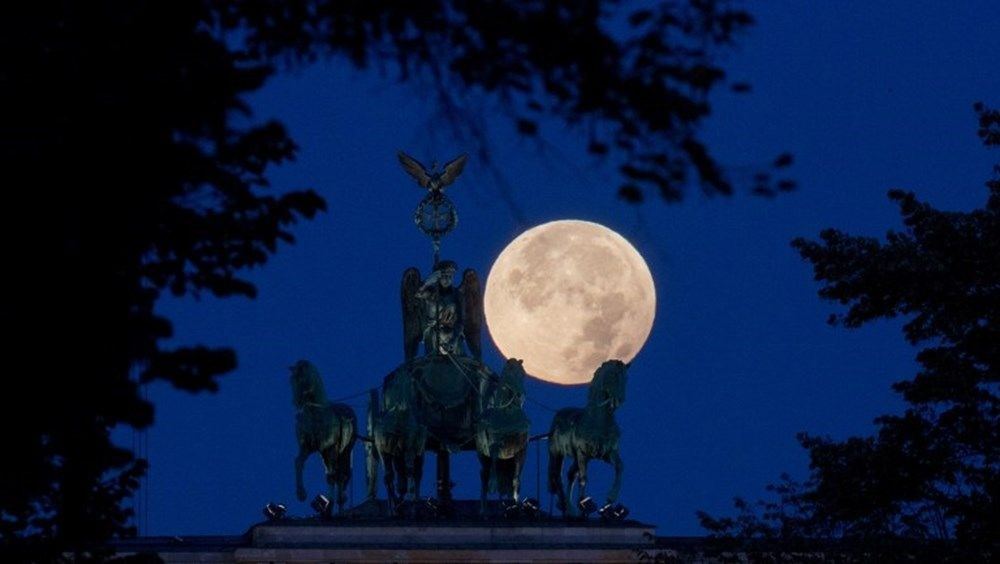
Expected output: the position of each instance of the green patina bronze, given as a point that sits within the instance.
(446, 319)
(431, 402)
(502, 434)
(324, 427)
(589, 433)
(444, 399)
(436, 215)
(398, 440)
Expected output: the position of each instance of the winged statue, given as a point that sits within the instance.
(440, 315)
(433, 180)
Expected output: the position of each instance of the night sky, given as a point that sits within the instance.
(868, 98)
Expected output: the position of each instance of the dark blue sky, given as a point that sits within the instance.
(868, 98)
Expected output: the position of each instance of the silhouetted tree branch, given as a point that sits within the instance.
(932, 472)
(127, 176)
(131, 180)
(634, 82)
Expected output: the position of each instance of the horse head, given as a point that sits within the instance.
(397, 391)
(608, 385)
(307, 386)
(509, 389)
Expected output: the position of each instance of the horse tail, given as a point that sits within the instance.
(348, 430)
(371, 456)
(555, 467)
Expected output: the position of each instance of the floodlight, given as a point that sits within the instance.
(511, 510)
(433, 506)
(587, 505)
(274, 511)
(620, 512)
(613, 512)
(321, 505)
(530, 507)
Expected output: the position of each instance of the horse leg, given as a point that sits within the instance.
(418, 472)
(409, 465)
(484, 480)
(390, 481)
(408, 483)
(401, 477)
(399, 488)
(371, 469)
(555, 479)
(616, 460)
(341, 477)
(344, 475)
(331, 465)
(341, 467)
(494, 475)
(569, 508)
(372, 456)
(516, 478)
(300, 461)
(581, 461)
(443, 475)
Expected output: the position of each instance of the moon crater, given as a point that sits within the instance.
(567, 295)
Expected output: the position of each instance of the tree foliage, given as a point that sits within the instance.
(932, 472)
(126, 177)
(634, 81)
(135, 167)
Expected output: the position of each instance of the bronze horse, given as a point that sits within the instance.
(588, 433)
(398, 440)
(502, 434)
(324, 427)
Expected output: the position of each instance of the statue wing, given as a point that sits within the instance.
(452, 169)
(472, 312)
(411, 312)
(413, 167)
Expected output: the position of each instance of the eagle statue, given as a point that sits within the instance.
(433, 180)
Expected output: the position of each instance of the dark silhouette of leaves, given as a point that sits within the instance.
(133, 181)
(630, 193)
(783, 160)
(933, 472)
(527, 127)
(134, 178)
(786, 185)
(640, 89)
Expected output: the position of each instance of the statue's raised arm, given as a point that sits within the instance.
(432, 311)
(441, 315)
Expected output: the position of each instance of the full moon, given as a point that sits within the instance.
(566, 296)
